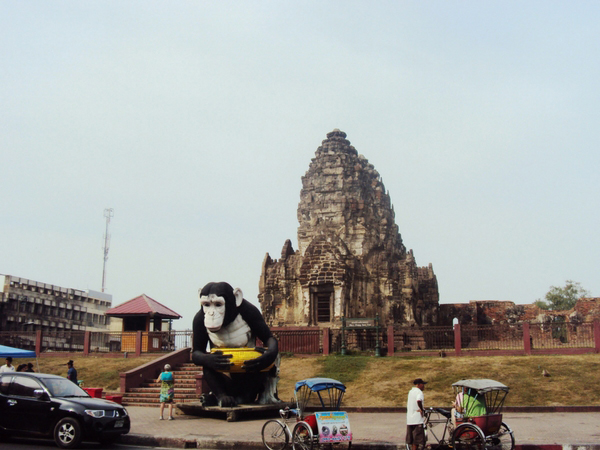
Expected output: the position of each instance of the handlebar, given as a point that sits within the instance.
(285, 413)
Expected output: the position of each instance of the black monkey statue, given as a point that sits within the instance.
(227, 320)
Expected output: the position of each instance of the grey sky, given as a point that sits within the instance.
(195, 121)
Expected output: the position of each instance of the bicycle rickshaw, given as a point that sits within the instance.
(480, 424)
(325, 428)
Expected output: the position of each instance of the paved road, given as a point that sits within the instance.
(387, 429)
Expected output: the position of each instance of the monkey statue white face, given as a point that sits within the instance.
(214, 311)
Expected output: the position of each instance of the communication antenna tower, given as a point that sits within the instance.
(108, 213)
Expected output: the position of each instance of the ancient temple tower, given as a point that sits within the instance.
(350, 260)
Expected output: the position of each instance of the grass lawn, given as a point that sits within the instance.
(97, 372)
(386, 381)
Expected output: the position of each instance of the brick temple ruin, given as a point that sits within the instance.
(351, 261)
(491, 312)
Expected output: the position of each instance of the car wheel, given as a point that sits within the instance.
(67, 433)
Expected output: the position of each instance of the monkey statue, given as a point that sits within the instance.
(227, 320)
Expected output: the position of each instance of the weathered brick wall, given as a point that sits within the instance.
(496, 311)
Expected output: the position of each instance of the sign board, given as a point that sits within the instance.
(334, 426)
(360, 323)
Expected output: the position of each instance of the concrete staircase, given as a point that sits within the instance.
(149, 392)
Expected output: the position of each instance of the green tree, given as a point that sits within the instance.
(562, 298)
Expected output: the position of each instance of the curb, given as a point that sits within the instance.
(173, 442)
(511, 409)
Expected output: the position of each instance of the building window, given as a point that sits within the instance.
(323, 308)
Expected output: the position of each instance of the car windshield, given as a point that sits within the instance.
(64, 388)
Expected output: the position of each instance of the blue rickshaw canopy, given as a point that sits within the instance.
(319, 384)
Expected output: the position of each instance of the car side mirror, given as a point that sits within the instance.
(40, 394)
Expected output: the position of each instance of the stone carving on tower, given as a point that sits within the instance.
(350, 260)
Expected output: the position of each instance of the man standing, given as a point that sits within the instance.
(72, 372)
(415, 415)
(8, 367)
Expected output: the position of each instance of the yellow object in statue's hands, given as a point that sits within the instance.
(238, 356)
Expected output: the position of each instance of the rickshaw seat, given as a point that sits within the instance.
(443, 412)
(489, 423)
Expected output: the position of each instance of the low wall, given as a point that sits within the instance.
(135, 377)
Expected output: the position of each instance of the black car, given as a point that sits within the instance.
(47, 405)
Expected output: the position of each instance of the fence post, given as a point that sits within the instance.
(597, 335)
(38, 342)
(391, 341)
(526, 338)
(86, 343)
(138, 344)
(326, 341)
(457, 342)
(343, 335)
(377, 345)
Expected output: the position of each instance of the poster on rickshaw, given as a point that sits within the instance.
(334, 426)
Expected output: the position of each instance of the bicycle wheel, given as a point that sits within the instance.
(468, 437)
(504, 440)
(302, 437)
(274, 435)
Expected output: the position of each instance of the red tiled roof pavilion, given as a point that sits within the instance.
(142, 306)
(139, 312)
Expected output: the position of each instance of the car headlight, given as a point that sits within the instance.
(95, 412)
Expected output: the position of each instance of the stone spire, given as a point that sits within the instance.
(350, 260)
(343, 194)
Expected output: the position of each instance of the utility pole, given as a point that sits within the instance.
(108, 213)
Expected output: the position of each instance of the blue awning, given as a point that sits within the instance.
(6, 351)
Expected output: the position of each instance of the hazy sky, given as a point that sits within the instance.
(195, 122)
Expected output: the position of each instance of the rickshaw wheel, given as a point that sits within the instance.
(468, 437)
(504, 440)
(302, 437)
(274, 435)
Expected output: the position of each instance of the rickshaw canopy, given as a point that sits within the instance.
(482, 385)
(320, 384)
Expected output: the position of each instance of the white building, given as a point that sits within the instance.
(27, 305)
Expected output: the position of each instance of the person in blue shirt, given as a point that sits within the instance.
(72, 372)
(167, 390)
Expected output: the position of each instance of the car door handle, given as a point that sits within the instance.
(11, 402)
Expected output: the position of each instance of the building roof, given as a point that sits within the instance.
(142, 305)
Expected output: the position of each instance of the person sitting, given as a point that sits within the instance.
(457, 408)
(474, 404)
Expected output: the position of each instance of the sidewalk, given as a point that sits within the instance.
(372, 431)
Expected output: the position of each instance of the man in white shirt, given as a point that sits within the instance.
(415, 415)
(8, 367)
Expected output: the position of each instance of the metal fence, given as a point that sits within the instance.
(316, 340)
(152, 341)
(492, 337)
(408, 339)
(359, 340)
(18, 339)
(302, 340)
(63, 341)
(561, 335)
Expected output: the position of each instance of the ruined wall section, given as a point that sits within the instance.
(349, 244)
(487, 312)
